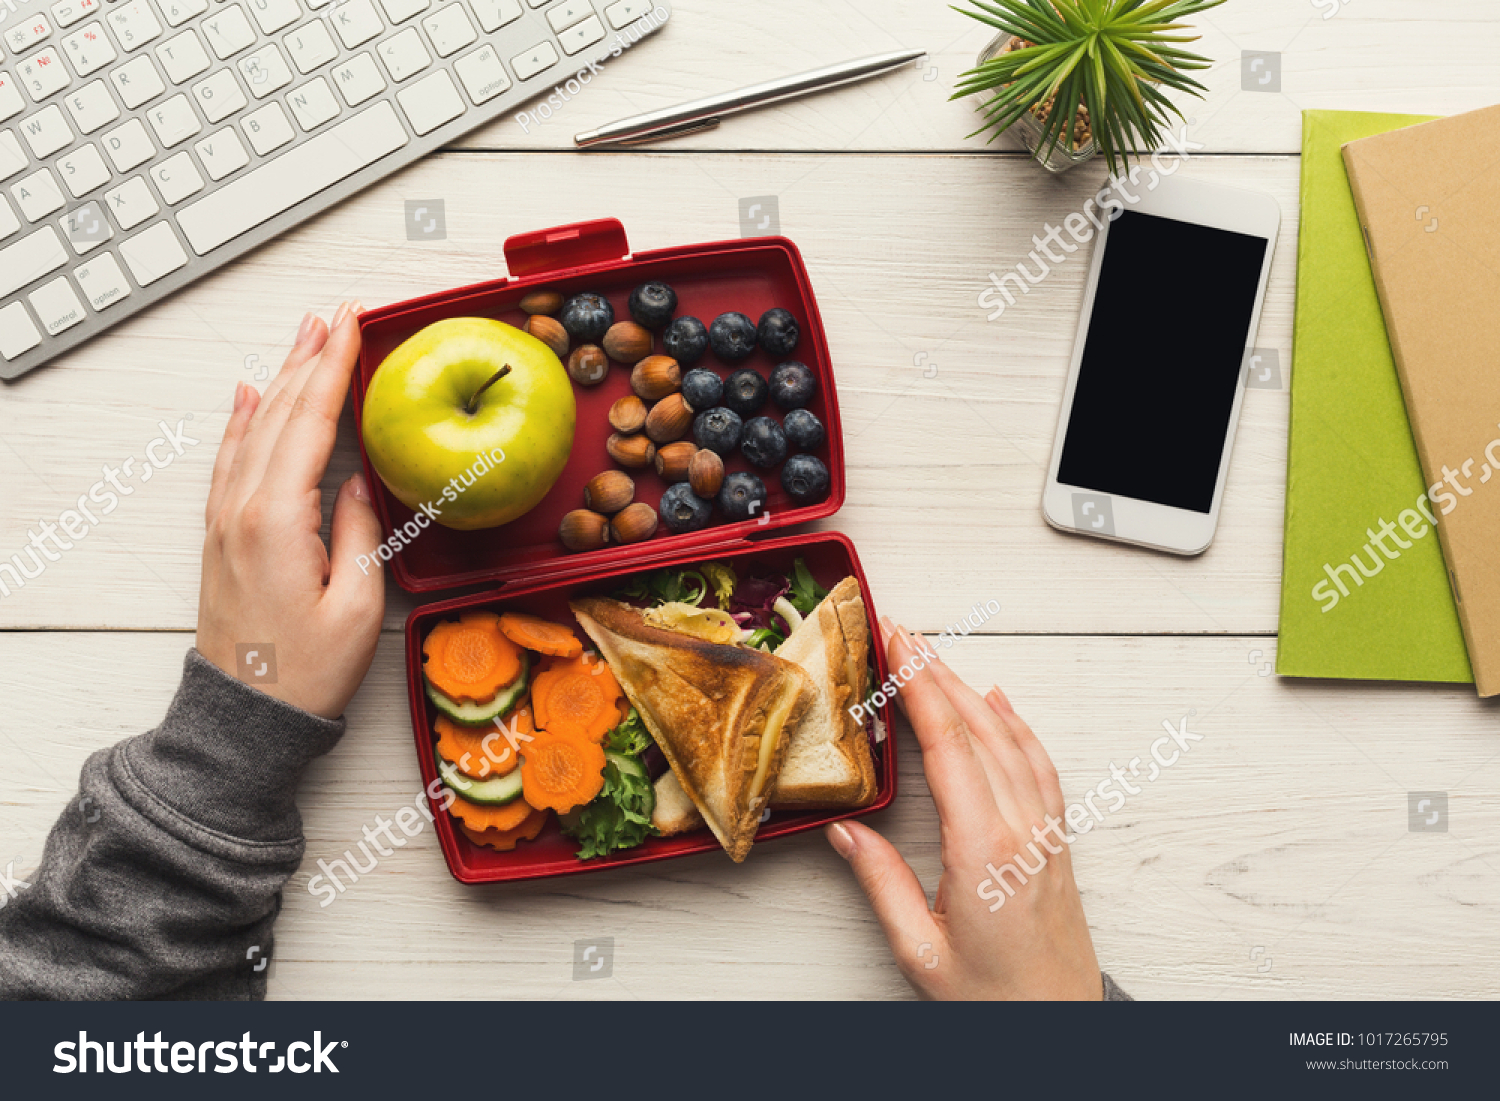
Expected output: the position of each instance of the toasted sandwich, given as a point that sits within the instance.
(828, 761)
(720, 713)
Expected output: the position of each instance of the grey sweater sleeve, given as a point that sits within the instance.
(163, 878)
(1113, 993)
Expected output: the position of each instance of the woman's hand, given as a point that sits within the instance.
(267, 577)
(997, 930)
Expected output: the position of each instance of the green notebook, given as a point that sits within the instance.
(1351, 461)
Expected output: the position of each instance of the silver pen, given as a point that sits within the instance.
(705, 113)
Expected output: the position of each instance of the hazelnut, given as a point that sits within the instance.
(628, 415)
(654, 377)
(669, 419)
(706, 474)
(635, 525)
(583, 530)
(543, 302)
(672, 461)
(631, 451)
(609, 492)
(627, 342)
(550, 332)
(588, 366)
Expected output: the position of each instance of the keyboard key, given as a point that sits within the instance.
(86, 228)
(627, 11)
(12, 159)
(565, 15)
(28, 33)
(228, 31)
(11, 103)
(89, 49)
(533, 61)
(137, 82)
(358, 79)
(131, 203)
(356, 22)
(47, 131)
(17, 333)
(9, 223)
(431, 101)
(311, 46)
(267, 128)
(129, 145)
(102, 281)
(69, 12)
(449, 30)
(582, 36)
(178, 12)
(92, 107)
(399, 11)
(265, 71)
(222, 153)
(483, 75)
(219, 96)
(57, 305)
(183, 57)
(38, 196)
(313, 104)
(174, 121)
(153, 254)
(274, 15)
(134, 24)
(291, 178)
(177, 178)
(29, 259)
(494, 14)
(404, 54)
(43, 74)
(82, 170)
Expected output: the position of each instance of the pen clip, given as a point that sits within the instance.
(680, 131)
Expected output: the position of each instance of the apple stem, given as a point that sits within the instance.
(473, 405)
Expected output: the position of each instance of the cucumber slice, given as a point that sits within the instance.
(481, 714)
(494, 792)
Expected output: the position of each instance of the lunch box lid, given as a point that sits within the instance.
(571, 259)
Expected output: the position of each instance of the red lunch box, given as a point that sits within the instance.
(530, 569)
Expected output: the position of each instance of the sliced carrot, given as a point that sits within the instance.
(470, 661)
(506, 840)
(534, 633)
(476, 751)
(579, 696)
(561, 771)
(476, 817)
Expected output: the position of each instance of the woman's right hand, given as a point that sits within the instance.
(999, 805)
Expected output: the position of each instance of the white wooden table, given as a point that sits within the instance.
(1273, 862)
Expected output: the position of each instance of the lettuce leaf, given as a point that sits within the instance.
(630, 738)
(620, 817)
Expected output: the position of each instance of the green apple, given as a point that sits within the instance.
(470, 421)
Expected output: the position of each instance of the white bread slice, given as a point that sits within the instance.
(675, 812)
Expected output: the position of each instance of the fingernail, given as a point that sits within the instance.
(239, 395)
(887, 629)
(338, 317)
(1001, 698)
(309, 320)
(841, 840)
(360, 488)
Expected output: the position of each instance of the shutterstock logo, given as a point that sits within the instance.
(229, 1056)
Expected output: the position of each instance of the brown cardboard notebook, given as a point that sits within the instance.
(1426, 199)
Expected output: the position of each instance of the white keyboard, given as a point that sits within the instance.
(143, 143)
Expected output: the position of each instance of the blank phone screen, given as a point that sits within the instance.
(1163, 361)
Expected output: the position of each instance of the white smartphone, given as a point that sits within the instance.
(1161, 362)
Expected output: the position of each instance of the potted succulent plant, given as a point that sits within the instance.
(1079, 77)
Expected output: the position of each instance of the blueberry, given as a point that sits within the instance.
(805, 479)
(793, 385)
(587, 317)
(778, 332)
(653, 304)
(732, 336)
(742, 497)
(686, 340)
(745, 392)
(764, 443)
(718, 430)
(702, 389)
(683, 510)
(803, 430)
